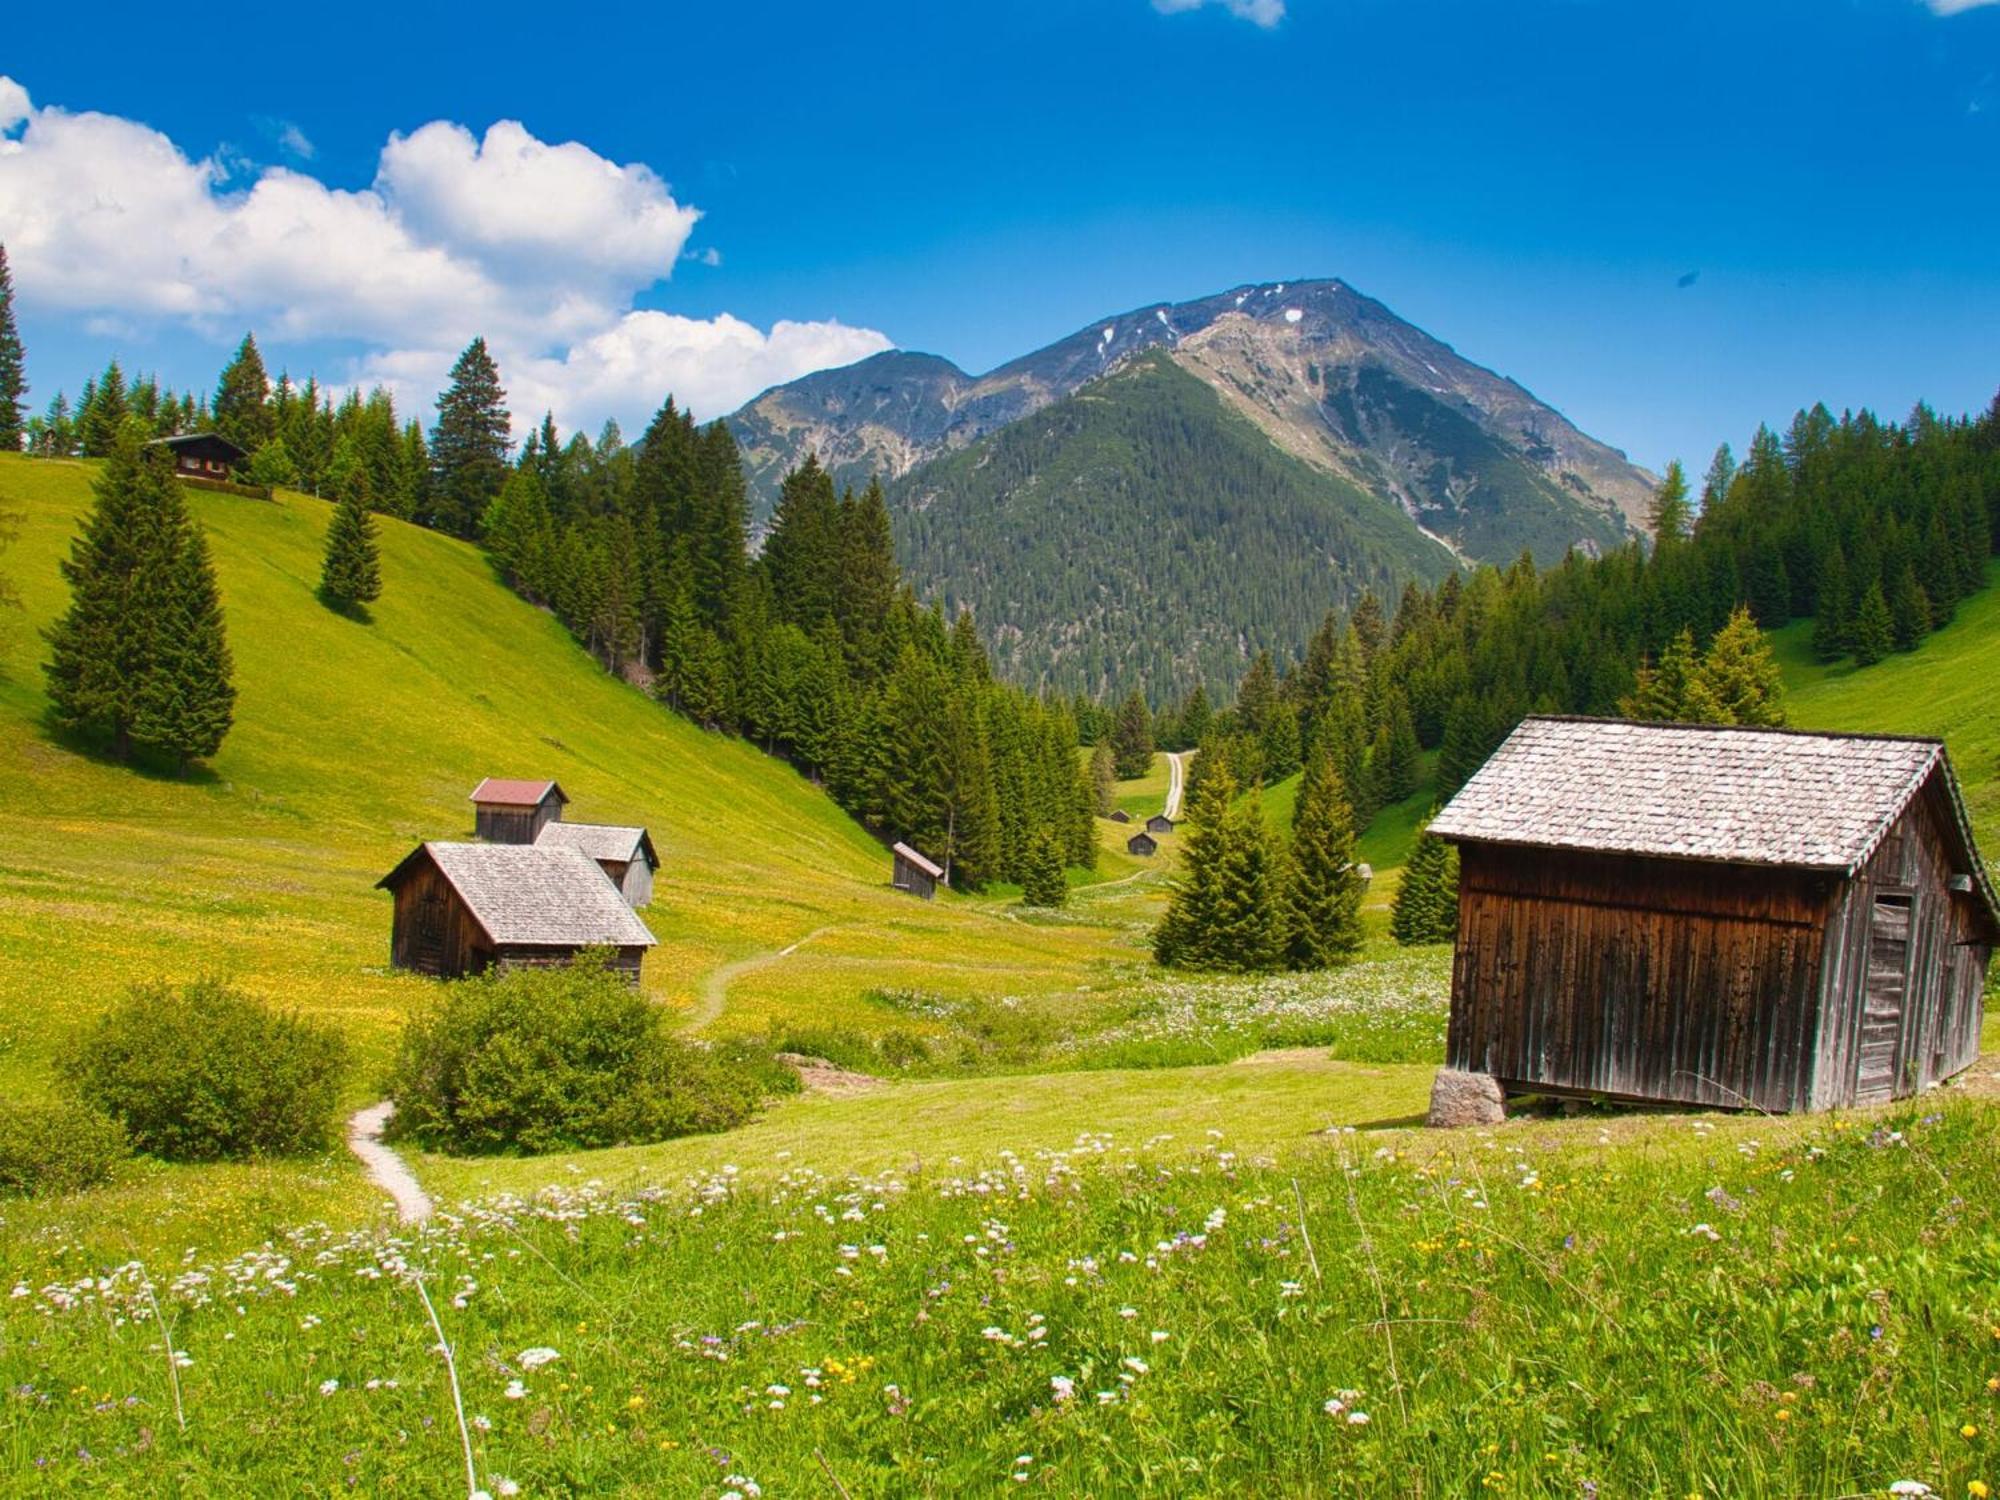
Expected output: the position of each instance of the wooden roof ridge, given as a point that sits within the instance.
(1787, 729)
(1812, 799)
(516, 791)
(530, 895)
(601, 840)
(921, 861)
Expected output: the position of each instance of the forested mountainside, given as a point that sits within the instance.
(1318, 373)
(1140, 531)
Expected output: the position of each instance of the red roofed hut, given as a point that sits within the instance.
(515, 812)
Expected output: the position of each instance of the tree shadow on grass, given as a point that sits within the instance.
(142, 760)
(347, 609)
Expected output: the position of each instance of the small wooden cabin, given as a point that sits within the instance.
(1733, 917)
(464, 908)
(623, 854)
(515, 812)
(201, 455)
(1142, 844)
(914, 873)
(1119, 815)
(1159, 823)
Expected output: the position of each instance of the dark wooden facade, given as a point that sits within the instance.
(1119, 815)
(1159, 823)
(1711, 983)
(202, 455)
(1142, 844)
(507, 816)
(914, 873)
(435, 932)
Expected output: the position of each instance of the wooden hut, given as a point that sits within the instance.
(464, 908)
(1734, 917)
(1159, 823)
(1119, 815)
(624, 854)
(914, 873)
(515, 812)
(1142, 844)
(201, 455)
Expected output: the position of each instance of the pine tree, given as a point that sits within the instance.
(1280, 741)
(1323, 888)
(1103, 780)
(1042, 880)
(140, 657)
(272, 466)
(1668, 518)
(469, 443)
(1426, 907)
(13, 376)
(1132, 737)
(1909, 610)
(1185, 934)
(1196, 715)
(1667, 691)
(241, 411)
(1739, 676)
(1873, 636)
(1829, 636)
(351, 574)
(1397, 761)
(101, 416)
(1721, 474)
(1248, 935)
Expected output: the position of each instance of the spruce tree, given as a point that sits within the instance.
(1322, 896)
(1132, 737)
(1909, 610)
(241, 411)
(1103, 780)
(13, 375)
(1280, 741)
(1668, 517)
(351, 574)
(1397, 759)
(1873, 636)
(1426, 906)
(1185, 935)
(1042, 880)
(1739, 676)
(101, 416)
(468, 448)
(140, 656)
(1196, 715)
(1248, 933)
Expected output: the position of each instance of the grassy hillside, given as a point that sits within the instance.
(1949, 687)
(354, 741)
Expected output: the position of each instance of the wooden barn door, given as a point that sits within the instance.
(1882, 1015)
(429, 951)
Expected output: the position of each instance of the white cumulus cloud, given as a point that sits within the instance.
(1268, 13)
(540, 247)
(1954, 7)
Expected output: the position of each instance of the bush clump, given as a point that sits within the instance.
(58, 1146)
(205, 1073)
(573, 1058)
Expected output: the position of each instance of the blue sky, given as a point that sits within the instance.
(1531, 181)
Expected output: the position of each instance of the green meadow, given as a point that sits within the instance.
(1112, 1232)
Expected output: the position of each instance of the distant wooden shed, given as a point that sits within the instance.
(1159, 823)
(1119, 815)
(1697, 915)
(201, 455)
(508, 811)
(464, 908)
(1142, 844)
(624, 854)
(915, 873)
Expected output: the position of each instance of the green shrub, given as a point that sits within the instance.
(571, 1058)
(205, 1073)
(56, 1147)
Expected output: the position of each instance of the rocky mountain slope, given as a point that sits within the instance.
(1328, 375)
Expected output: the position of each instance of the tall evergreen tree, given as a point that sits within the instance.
(1739, 675)
(468, 447)
(101, 416)
(1132, 737)
(1042, 881)
(140, 656)
(13, 374)
(1873, 636)
(241, 410)
(1322, 895)
(1103, 779)
(1426, 906)
(351, 573)
(1669, 518)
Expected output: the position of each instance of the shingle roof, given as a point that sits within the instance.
(936, 872)
(506, 792)
(600, 841)
(533, 895)
(1743, 796)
